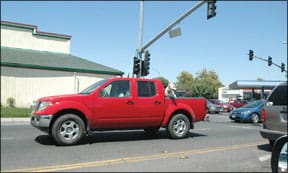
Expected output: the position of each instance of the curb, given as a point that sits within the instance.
(11, 121)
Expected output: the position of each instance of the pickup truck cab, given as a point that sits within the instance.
(116, 104)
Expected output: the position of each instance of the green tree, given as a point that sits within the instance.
(163, 80)
(185, 82)
(206, 84)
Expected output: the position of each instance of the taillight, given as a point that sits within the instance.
(263, 115)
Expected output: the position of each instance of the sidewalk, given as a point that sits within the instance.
(14, 121)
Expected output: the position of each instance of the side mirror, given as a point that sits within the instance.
(279, 155)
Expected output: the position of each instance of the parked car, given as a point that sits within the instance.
(275, 114)
(237, 103)
(226, 107)
(251, 112)
(213, 108)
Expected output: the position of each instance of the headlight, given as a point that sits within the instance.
(44, 105)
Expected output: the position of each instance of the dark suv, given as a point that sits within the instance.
(275, 114)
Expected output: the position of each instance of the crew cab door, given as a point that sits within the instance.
(149, 104)
(114, 107)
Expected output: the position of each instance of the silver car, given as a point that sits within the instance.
(275, 114)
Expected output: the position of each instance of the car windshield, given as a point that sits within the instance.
(93, 87)
(253, 104)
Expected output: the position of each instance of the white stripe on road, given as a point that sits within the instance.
(244, 127)
(265, 157)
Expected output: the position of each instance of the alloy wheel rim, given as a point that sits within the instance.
(69, 130)
(179, 127)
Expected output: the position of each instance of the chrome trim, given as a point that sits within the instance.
(41, 122)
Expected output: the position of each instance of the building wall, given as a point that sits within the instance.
(27, 85)
(226, 94)
(26, 38)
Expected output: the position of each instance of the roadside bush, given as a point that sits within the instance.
(11, 102)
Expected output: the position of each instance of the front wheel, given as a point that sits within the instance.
(179, 126)
(255, 118)
(68, 129)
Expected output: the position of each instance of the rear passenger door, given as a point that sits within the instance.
(149, 106)
(276, 109)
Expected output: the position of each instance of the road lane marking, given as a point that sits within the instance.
(200, 129)
(124, 160)
(244, 127)
(264, 157)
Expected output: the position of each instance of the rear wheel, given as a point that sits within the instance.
(179, 126)
(68, 129)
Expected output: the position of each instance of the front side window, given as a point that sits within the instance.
(93, 87)
(146, 88)
(119, 88)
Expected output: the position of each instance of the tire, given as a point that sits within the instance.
(68, 129)
(179, 126)
(255, 118)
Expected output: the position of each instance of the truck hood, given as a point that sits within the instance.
(58, 98)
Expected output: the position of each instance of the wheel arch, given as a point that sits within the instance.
(70, 111)
(186, 113)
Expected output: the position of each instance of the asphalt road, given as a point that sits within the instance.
(215, 145)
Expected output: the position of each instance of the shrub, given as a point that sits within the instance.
(11, 102)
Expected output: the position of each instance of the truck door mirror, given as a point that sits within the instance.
(279, 155)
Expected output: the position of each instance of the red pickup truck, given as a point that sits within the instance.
(116, 104)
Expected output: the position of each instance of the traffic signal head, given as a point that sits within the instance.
(146, 64)
(282, 67)
(211, 10)
(251, 54)
(269, 60)
(136, 66)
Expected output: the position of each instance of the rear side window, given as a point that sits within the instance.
(146, 88)
(279, 95)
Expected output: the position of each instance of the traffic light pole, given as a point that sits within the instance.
(263, 59)
(169, 27)
(139, 55)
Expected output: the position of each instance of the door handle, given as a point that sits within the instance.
(130, 102)
(157, 102)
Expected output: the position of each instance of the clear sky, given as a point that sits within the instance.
(107, 32)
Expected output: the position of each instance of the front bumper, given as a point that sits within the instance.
(41, 122)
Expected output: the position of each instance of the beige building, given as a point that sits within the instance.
(36, 64)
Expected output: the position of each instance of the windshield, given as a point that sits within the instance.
(253, 104)
(93, 87)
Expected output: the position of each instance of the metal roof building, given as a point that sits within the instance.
(256, 84)
(36, 64)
